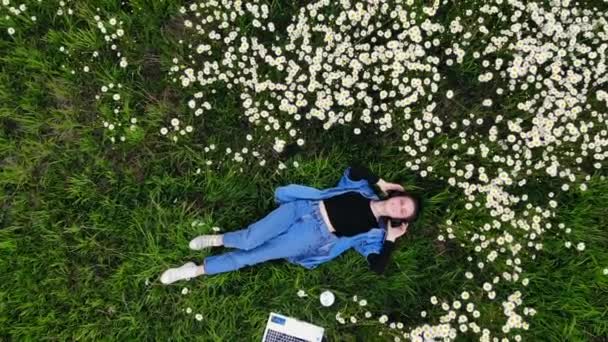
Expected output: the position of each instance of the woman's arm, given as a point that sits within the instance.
(378, 261)
(359, 172)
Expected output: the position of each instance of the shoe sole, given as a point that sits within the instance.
(161, 278)
(199, 248)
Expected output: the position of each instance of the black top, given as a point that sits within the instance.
(350, 214)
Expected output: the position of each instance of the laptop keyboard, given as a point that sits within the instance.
(277, 336)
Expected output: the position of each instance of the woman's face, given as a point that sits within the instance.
(400, 207)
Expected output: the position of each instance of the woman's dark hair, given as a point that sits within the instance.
(416, 199)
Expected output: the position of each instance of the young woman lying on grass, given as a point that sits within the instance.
(313, 226)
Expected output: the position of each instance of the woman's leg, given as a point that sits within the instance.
(299, 239)
(275, 223)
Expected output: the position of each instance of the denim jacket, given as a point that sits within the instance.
(364, 243)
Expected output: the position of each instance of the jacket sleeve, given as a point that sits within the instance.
(378, 261)
(359, 172)
(370, 244)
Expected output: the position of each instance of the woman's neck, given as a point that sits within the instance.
(377, 209)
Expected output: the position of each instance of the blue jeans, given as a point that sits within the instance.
(292, 229)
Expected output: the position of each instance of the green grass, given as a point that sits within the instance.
(85, 223)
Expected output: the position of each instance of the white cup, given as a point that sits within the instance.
(327, 298)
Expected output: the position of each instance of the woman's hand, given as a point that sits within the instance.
(392, 233)
(385, 186)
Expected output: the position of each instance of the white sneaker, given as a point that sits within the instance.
(186, 271)
(204, 241)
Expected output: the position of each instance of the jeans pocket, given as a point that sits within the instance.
(302, 218)
(320, 247)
